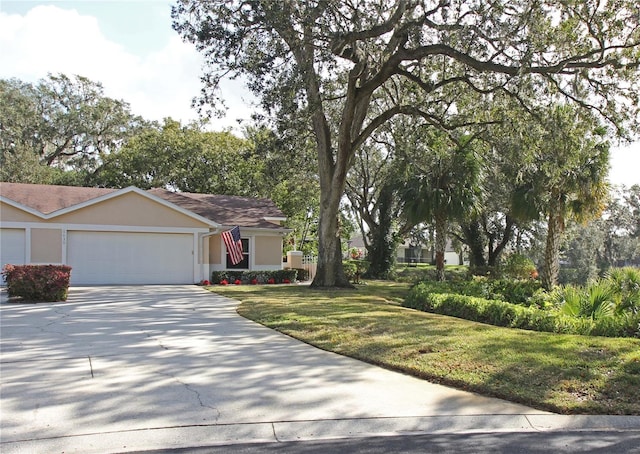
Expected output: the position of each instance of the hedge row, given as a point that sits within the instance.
(501, 313)
(255, 277)
(37, 282)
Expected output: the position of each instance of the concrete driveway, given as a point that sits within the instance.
(118, 369)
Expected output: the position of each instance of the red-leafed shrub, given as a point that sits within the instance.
(224, 282)
(238, 282)
(271, 281)
(254, 281)
(205, 282)
(286, 281)
(37, 282)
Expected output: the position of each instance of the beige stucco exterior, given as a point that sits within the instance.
(215, 250)
(46, 245)
(130, 209)
(48, 235)
(268, 250)
(10, 213)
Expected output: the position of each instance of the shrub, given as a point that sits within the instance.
(354, 269)
(501, 313)
(626, 282)
(518, 266)
(37, 282)
(302, 274)
(422, 274)
(516, 291)
(254, 277)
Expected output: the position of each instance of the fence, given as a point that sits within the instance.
(310, 263)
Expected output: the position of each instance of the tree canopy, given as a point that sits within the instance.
(61, 122)
(325, 59)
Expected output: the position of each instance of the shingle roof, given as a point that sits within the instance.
(49, 198)
(223, 210)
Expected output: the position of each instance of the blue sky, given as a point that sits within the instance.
(130, 47)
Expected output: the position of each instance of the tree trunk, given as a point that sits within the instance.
(473, 239)
(330, 272)
(441, 244)
(551, 267)
(494, 255)
(381, 253)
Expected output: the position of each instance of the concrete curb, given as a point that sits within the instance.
(167, 438)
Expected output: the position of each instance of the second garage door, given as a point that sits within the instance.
(130, 258)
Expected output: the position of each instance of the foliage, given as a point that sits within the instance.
(362, 64)
(60, 122)
(595, 302)
(423, 273)
(501, 313)
(183, 158)
(443, 189)
(255, 277)
(626, 285)
(569, 156)
(518, 266)
(37, 282)
(355, 269)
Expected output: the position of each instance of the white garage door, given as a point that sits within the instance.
(130, 258)
(12, 248)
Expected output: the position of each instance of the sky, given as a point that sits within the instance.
(130, 48)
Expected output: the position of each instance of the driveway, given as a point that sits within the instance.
(118, 369)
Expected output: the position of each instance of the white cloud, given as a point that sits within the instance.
(49, 39)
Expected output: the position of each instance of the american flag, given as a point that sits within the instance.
(233, 243)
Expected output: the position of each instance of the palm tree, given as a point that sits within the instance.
(569, 161)
(443, 189)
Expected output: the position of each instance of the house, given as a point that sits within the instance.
(132, 236)
(408, 253)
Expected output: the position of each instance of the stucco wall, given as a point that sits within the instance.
(129, 209)
(268, 250)
(46, 246)
(9, 213)
(215, 250)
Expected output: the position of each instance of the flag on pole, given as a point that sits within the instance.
(233, 243)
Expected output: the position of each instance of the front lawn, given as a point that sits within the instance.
(556, 372)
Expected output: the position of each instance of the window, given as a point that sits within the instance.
(244, 265)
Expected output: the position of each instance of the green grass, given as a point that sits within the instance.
(561, 373)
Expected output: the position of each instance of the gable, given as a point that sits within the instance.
(130, 208)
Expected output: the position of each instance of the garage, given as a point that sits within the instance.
(130, 258)
(12, 247)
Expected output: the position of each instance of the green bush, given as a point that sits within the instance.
(501, 313)
(518, 266)
(428, 273)
(37, 282)
(516, 291)
(303, 274)
(626, 282)
(354, 269)
(259, 277)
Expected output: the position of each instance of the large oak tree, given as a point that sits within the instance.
(322, 59)
(61, 123)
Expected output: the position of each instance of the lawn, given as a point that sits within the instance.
(555, 372)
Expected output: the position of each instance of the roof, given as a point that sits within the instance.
(221, 209)
(225, 209)
(49, 198)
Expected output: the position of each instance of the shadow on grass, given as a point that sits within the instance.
(562, 373)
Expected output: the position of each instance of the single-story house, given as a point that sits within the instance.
(133, 236)
(408, 253)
